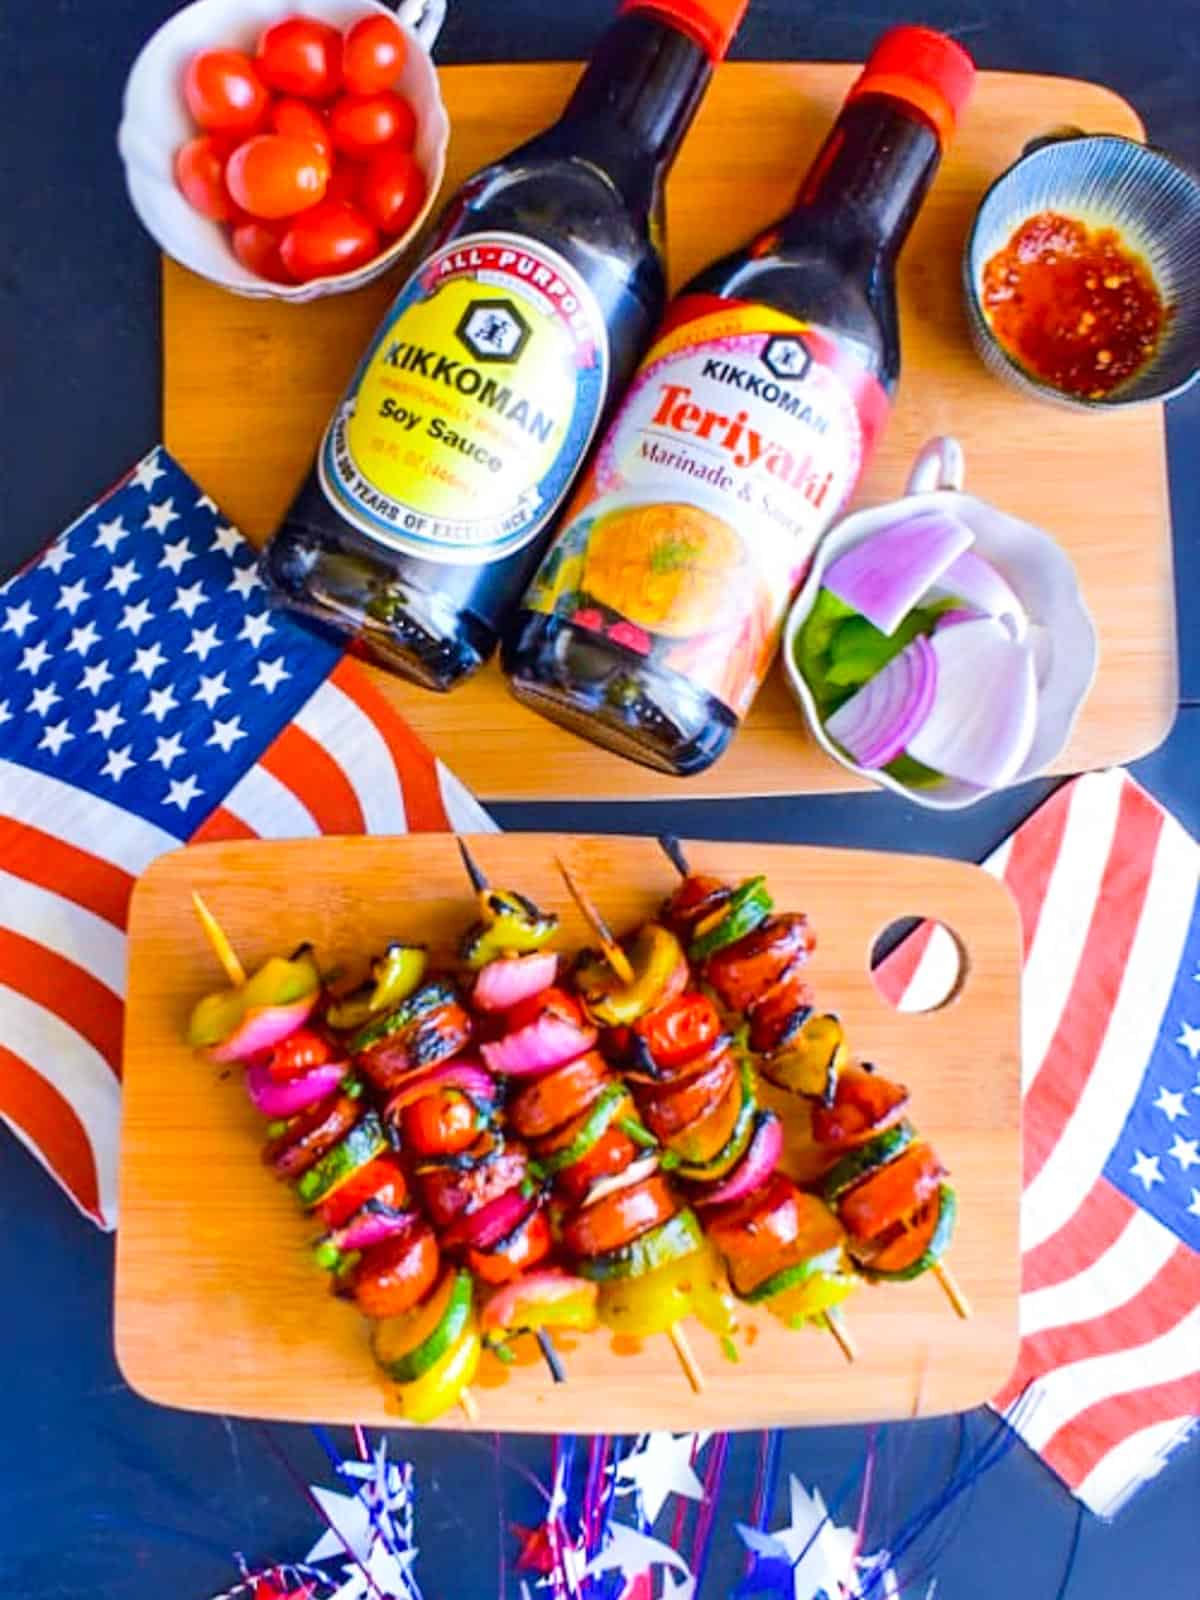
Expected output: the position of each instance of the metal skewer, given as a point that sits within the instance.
(236, 973)
(670, 846)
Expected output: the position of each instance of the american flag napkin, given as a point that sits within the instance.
(1106, 883)
(148, 698)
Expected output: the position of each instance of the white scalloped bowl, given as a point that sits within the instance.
(1039, 571)
(155, 122)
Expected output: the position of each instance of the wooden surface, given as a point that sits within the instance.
(217, 1305)
(249, 386)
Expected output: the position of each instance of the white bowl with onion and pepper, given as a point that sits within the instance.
(940, 647)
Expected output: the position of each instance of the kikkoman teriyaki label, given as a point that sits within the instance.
(738, 443)
(468, 416)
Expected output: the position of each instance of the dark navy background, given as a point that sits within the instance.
(103, 1497)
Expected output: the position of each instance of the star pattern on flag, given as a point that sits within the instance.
(1189, 1038)
(148, 616)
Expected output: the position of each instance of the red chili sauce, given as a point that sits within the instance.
(1075, 307)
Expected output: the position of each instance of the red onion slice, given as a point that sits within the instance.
(979, 586)
(755, 1167)
(886, 574)
(467, 1076)
(508, 980)
(981, 724)
(275, 1099)
(548, 1042)
(877, 722)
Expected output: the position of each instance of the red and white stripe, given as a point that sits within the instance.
(348, 763)
(1110, 1306)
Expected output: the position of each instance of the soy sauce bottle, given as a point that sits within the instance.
(473, 408)
(657, 610)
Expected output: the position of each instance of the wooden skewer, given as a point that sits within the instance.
(221, 947)
(613, 954)
(478, 877)
(951, 1289)
(236, 974)
(687, 1359)
(550, 1356)
(840, 1334)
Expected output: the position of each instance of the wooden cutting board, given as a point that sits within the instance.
(218, 1307)
(249, 386)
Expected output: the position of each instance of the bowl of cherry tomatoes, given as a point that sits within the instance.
(286, 149)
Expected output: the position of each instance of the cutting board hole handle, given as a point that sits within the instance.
(918, 964)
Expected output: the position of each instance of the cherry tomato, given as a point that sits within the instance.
(200, 174)
(224, 92)
(330, 238)
(395, 1275)
(296, 119)
(361, 124)
(680, 1030)
(373, 54)
(273, 176)
(392, 191)
(300, 55)
(439, 1124)
(256, 245)
(344, 181)
(304, 1049)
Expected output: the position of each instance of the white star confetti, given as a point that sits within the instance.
(109, 535)
(632, 1552)
(202, 643)
(123, 578)
(167, 751)
(18, 618)
(160, 703)
(269, 675)
(245, 580)
(55, 737)
(829, 1550)
(187, 599)
(42, 699)
(211, 689)
(256, 628)
(661, 1467)
(83, 639)
(106, 720)
(71, 596)
(1170, 1103)
(1185, 1151)
(34, 657)
(117, 763)
(148, 472)
(57, 556)
(182, 792)
(228, 540)
(160, 516)
(148, 659)
(135, 618)
(1145, 1170)
(95, 677)
(226, 733)
(1189, 1038)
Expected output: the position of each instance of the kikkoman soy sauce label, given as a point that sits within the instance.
(741, 438)
(469, 414)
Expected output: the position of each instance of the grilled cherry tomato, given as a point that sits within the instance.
(440, 1124)
(310, 1134)
(298, 1054)
(382, 1179)
(373, 54)
(891, 1193)
(361, 124)
(528, 1244)
(742, 972)
(256, 245)
(677, 1032)
(554, 1002)
(392, 190)
(558, 1096)
(301, 56)
(609, 1223)
(274, 176)
(200, 174)
(452, 1191)
(608, 1157)
(224, 92)
(864, 1104)
(296, 119)
(695, 900)
(762, 1224)
(395, 1275)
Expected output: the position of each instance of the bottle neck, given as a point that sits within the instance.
(870, 176)
(638, 94)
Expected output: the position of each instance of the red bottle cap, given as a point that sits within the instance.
(711, 23)
(927, 69)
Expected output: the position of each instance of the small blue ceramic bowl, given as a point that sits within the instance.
(1105, 181)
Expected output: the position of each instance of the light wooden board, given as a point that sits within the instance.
(217, 1305)
(249, 386)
